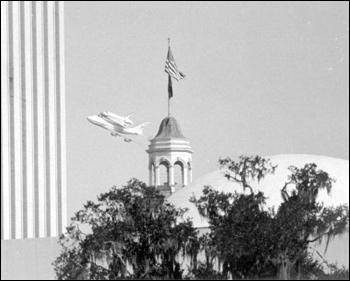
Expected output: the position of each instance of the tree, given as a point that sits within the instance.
(238, 224)
(302, 219)
(247, 238)
(134, 234)
(247, 169)
(322, 270)
(238, 231)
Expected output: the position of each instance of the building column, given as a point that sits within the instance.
(150, 175)
(171, 175)
(185, 175)
(29, 128)
(16, 126)
(156, 175)
(6, 222)
(171, 179)
(190, 175)
(39, 116)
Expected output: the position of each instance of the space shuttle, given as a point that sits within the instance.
(117, 125)
(116, 119)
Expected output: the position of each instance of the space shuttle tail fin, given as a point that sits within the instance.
(128, 120)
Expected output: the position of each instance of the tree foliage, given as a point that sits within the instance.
(247, 169)
(312, 269)
(251, 240)
(302, 219)
(237, 231)
(134, 234)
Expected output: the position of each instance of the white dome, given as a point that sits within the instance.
(338, 250)
(271, 185)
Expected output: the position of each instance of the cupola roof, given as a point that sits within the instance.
(169, 128)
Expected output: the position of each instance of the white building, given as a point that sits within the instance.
(33, 141)
(338, 250)
(169, 148)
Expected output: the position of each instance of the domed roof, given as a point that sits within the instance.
(169, 128)
(270, 185)
(338, 250)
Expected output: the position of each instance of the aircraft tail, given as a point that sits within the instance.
(127, 119)
(139, 129)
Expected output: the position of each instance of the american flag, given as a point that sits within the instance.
(171, 68)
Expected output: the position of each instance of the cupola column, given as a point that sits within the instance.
(156, 175)
(150, 175)
(171, 175)
(185, 175)
(190, 174)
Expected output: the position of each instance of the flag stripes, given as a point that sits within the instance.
(173, 71)
(171, 67)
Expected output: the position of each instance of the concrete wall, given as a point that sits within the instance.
(28, 259)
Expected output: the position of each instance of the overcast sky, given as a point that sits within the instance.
(262, 78)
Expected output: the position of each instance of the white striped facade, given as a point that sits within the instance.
(33, 139)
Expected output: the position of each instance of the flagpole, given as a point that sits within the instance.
(169, 102)
(168, 85)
